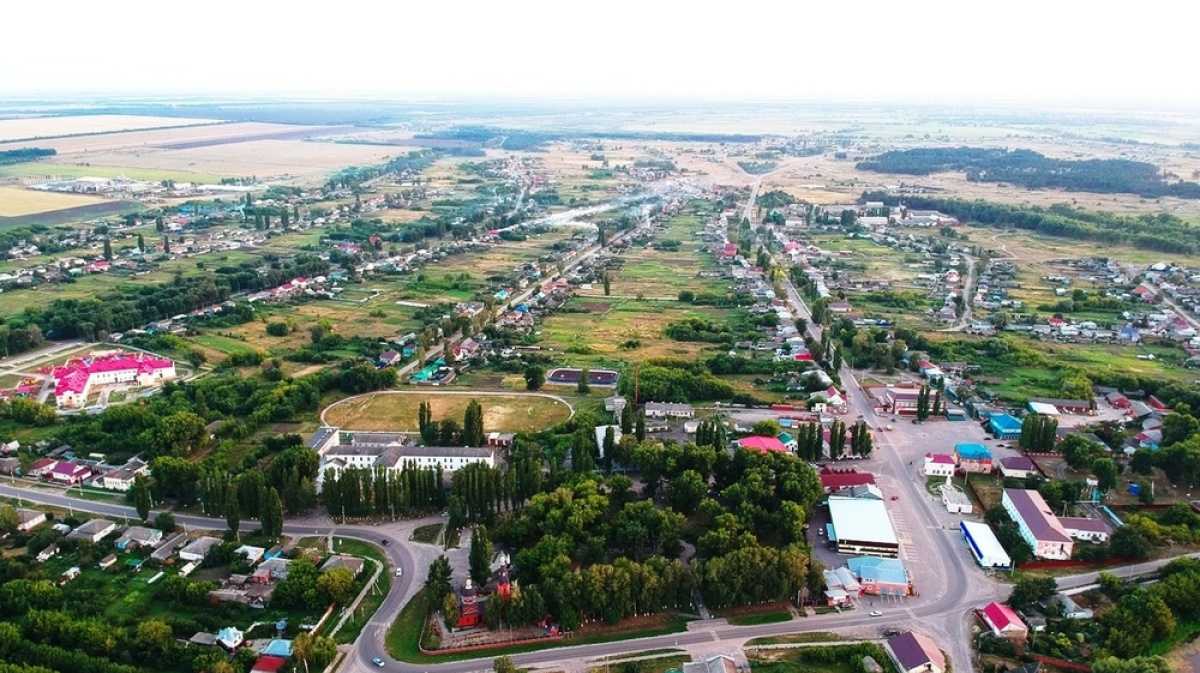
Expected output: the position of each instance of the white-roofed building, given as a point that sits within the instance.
(861, 526)
(986, 549)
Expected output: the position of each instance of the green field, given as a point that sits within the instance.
(398, 412)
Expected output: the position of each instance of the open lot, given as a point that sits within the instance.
(596, 337)
(17, 201)
(49, 127)
(398, 411)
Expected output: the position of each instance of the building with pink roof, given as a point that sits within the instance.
(1003, 621)
(74, 380)
(762, 444)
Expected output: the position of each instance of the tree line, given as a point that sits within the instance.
(1034, 170)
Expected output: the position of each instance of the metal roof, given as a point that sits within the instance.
(861, 520)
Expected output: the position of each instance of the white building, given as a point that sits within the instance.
(986, 549)
(939, 465)
(956, 501)
(669, 410)
(122, 478)
(198, 549)
(94, 530)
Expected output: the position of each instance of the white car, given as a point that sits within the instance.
(399, 571)
(876, 613)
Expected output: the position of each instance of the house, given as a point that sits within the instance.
(1070, 609)
(615, 405)
(197, 549)
(761, 444)
(973, 458)
(833, 479)
(10, 465)
(881, 576)
(230, 638)
(252, 554)
(28, 519)
(915, 653)
(1082, 528)
(986, 549)
(788, 441)
(1037, 524)
(48, 553)
(94, 530)
(41, 467)
(938, 465)
(956, 501)
(388, 358)
(278, 648)
(71, 573)
(352, 563)
(1018, 467)
(1117, 401)
(1003, 621)
(268, 664)
(719, 663)
(122, 478)
(669, 410)
(500, 439)
(1004, 426)
(70, 472)
(271, 570)
(841, 587)
(107, 562)
(138, 536)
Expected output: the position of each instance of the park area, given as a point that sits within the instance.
(397, 411)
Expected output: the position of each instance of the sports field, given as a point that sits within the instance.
(398, 411)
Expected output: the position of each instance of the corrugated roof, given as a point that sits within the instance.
(876, 569)
(861, 520)
(1036, 514)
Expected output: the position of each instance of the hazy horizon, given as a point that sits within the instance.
(928, 53)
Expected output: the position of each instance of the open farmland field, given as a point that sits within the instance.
(398, 411)
(107, 142)
(16, 201)
(502, 257)
(51, 127)
(41, 171)
(261, 158)
(594, 338)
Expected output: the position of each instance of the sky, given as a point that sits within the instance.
(1059, 51)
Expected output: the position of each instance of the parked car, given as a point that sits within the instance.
(377, 661)
(876, 613)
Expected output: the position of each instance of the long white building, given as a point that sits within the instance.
(342, 450)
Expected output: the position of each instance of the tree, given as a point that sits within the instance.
(607, 284)
(472, 432)
(139, 494)
(480, 558)
(768, 427)
(582, 387)
(166, 245)
(159, 226)
(505, 665)
(165, 521)
(272, 515)
(141, 243)
(1132, 665)
(154, 637)
(426, 424)
(337, 585)
(923, 403)
(108, 253)
(937, 403)
(535, 377)
(1028, 591)
(438, 581)
(233, 514)
(9, 519)
(687, 296)
(639, 429)
(687, 490)
(1079, 451)
(1142, 462)
(1105, 471)
(1127, 542)
(1177, 428)
(450, 609)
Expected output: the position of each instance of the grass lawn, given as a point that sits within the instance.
(398, 412)
(403, 639)
(652, 665)
(813, 637)
(765, 618)
(750, 615)
(427, 534)
(829, 659)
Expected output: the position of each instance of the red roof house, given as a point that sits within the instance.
(1003, 621)
(41, 466)
(761, 444)
(268, 664)
(836, 480)
(70, 472)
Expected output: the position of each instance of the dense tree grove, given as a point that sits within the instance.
(361, 492)
(1038, 433)
(1034, 171)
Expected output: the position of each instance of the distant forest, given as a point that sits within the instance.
(1035, 171)
(528, 140)
(1161, 233)
(21, 156)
